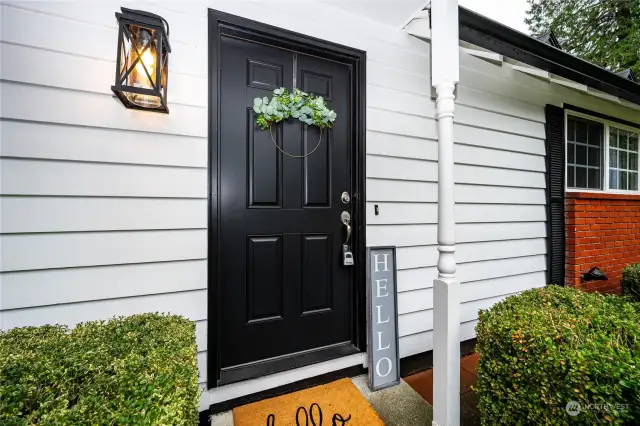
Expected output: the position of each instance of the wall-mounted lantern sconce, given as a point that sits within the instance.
(143, 60)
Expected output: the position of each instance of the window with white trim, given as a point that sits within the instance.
(596, 162)
(623, 159)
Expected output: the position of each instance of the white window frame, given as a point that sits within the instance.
(605, 145)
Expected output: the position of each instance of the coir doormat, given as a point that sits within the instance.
(335, 404)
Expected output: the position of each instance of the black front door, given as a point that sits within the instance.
(286, 298)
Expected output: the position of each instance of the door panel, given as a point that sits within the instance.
(316, 273)
(284, 289)
(264, 75)
(317, 167)
(265, 170)
(265, 279)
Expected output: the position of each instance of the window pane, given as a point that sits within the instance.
(633, 181)
(593, 178)
(581, 154)
(571, 129)
(581, 131)
(613, 179)
(633, 161)
(623, 160)
(623, 180)
(622, 139)
(613, 158)
(594, 157)
(581, 177)
(594, 134)
(571, 177)
(633, 143)
(571, 153)
(613, 137)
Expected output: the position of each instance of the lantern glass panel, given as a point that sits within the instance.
(164, 73)
(141, 56)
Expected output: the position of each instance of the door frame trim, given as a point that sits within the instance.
(230, 25)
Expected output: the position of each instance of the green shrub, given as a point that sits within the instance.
(631, 281)
(545, 347)
(139, 370)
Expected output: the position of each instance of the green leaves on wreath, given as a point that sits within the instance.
(302, 106)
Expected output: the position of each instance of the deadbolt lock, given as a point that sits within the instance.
(346, 199)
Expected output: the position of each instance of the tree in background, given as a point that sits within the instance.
(604, 32)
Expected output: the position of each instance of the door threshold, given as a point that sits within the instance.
(286, 362)
(227, 397)
(323, 379)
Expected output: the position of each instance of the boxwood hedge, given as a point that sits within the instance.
(631, 281)
(544, 348)
(139, 370)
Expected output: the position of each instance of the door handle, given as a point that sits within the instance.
(345, 218)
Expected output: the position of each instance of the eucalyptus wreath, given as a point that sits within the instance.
(309, 109)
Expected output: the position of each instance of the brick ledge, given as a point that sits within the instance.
(602, 196)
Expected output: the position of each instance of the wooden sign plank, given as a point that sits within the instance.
(382, 318)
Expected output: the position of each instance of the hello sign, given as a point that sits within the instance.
(382, 318)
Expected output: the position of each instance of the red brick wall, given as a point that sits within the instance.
(602, 230)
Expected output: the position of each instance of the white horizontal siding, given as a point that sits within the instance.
(495, 121)
(386, 121)
(415, 191)
(24, 252)
(390, 77)
(395, 145)
(485, 289)
(415, 301)
(45, 177)
(74, 285)
(25, 102)
(418, 278)
(419, 84)
(57, 142)
(183, 30)
(415, 322)
(88, 74)
(190, 304)
(201, 335)
(44, 32)
(499, 195)
(26, 214)
(398, 101)
(426, 256)
(415, 213)
(415, 235)
(501, 159)
(381, 167)
(397, 141)
(501, 141)
(478, 98)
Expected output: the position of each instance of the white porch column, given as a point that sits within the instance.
(446, 299)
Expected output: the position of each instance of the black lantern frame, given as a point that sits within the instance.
(142, 83)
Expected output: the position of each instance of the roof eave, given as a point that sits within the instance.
(489, 34)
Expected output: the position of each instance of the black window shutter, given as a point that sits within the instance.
(555, 194)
